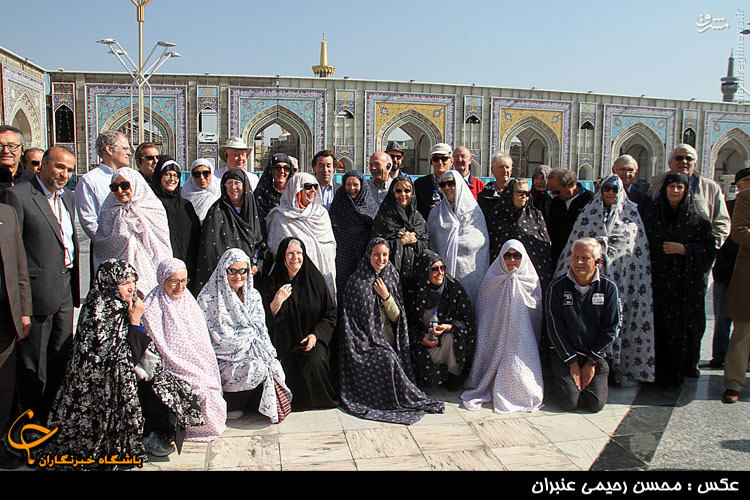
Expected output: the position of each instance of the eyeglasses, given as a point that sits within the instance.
(34, 163)
(440, 158)
(11, 147)
(404, 190)
(233, 184)
(436, 269)
(681, 158)
(279, 167)
(525, 194)
(396, 156)
(512, 256)
(309, 185)
(122, 186)
(442, 184)
(126, 148)
(182, 282)
(201, 173)
(608, 189)
(242, 271)
(148, 157)
(171, 175)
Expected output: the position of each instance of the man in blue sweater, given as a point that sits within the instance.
(583, 318)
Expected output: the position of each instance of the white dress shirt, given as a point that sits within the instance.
(91, 191)
(64, 219)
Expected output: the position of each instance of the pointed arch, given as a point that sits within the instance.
(638, 133)
(26, 119)
(735, 138)
(288, 120)
(420, 129)
(542, 131)
(169, 144)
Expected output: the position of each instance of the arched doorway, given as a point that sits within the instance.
(21, 122)
(728, 155)
(413, 129)
(531, 143)
(645, 146)
(274, 139)
(278, 129)
(156, 131)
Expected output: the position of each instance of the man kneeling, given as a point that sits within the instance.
(583, 317)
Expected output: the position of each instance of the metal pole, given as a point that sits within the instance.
(140, 9)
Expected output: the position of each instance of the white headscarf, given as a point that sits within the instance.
(178, 328)
(202, 199)
(136, 232)
(312, 225)
(240, 338)
(458, 233)
(507, 369)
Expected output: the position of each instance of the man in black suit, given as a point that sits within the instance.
(626, 169)
(324, 166)
(569, 199)
(15, 321)
(46, 218)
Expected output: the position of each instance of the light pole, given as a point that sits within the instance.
(142, 72)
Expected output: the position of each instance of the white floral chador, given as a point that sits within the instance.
(626, 261)
(240, 339)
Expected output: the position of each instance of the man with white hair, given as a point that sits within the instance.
(583, 318)
(626, 168)
(706, 193)
(501, 166)
(462, 159)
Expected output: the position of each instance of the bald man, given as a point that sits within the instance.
(380, 170)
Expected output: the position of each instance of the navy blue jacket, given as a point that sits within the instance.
(640, 198)
(582, 327)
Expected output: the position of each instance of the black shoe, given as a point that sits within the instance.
(9, 460)
(715, 364)
(693, 372)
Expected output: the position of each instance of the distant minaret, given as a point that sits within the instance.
(730, 84)
(323, 70)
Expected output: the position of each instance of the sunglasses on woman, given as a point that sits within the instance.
(525, 194)
(201, 173)
(123, 186)
(442, 184)
(242, 271)
(436, 269)
(309, 185)
(405, 190)
(279, 167)
(608, 189)
(512, 256)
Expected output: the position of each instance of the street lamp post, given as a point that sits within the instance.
(140, 75)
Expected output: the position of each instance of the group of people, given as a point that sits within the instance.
(233, 292)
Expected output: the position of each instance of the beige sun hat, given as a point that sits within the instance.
(234, 143)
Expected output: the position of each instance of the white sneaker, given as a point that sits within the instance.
(235, 414)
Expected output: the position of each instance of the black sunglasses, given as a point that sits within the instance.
(681, 157)
(34, 163)
(124, 186)
(512, 256)
(201, 173)
(149, 157)
(607, 189)
(435, 269)
(521, 193)
(440, 158)
(442, 184)
(405, 190)
(279, 167)
(242, 271)
(309, 185)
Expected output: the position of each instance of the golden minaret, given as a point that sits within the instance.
(323, 70)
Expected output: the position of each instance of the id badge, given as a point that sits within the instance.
(567, 298)
(597, 299)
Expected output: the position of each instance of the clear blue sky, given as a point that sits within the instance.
(626, 47)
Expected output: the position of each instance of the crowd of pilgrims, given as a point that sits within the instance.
(231, 294)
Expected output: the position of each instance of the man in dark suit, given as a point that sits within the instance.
(626, 169)
(46, 218)
(569, 199)
(324, 165)
(15, 320)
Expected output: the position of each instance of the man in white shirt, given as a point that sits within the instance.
(324, 165)
(93, 187)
